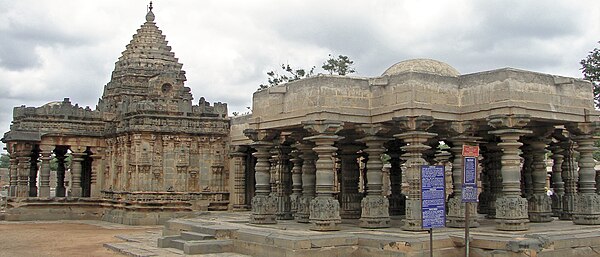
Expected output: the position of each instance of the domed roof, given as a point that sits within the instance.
(428, 66)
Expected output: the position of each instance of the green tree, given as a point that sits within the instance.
(290, 74)
(342, 65)
(590, 67)
(4, 160)
(54, 163)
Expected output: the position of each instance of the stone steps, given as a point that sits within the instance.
(193, 239)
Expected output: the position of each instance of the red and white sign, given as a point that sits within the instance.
(470, 151)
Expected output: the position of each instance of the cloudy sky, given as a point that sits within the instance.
(55, 49)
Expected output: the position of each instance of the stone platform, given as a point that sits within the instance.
(232, 232)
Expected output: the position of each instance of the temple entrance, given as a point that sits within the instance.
(249, 176)
(86, 174)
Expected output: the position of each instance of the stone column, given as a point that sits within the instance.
(442, 157)
(23, 152)
(587, 201)
(349, 196)
(308, 157)
(511, 208)
(46, 153)
(60, 171)
(33, 173)
(98, 166)
(263, 205)
(570, 176)
(558, 186)
(461, 135)
(397, 199)
(527, 170)
(414, 137)
(296, 181)
(540, 205)
(282, 183)
(374, 206)
(238, 196)
(494, 175)
(76, 168)
(13, 177)
(324, 208)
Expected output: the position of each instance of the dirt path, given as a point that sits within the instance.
(21, 239)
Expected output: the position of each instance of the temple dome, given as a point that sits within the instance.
(428, 66)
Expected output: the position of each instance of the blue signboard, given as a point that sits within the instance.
(469, 187)
(433, 196)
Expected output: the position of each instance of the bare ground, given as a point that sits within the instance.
(62, 238)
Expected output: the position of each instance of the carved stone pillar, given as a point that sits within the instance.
(349, 196)
(527, 170)
(511, 208)
(415, 137)
(238, 196)
(296, 181)
(33, 173)
(23, 152)
(587, 202)
(375, 206)
(324, 208)
(13, 177)
(558, 186)
(263, 205)
(570, 176)
(76, 169)
(540, 205)
(461, 134)
(46, 153)
(60, 171)
(397, 199)
(282, 182)
(98, 166)
(308, 181)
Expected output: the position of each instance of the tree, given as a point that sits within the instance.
(590, 67)
(342, 65)
(4, 160)
(290, 75)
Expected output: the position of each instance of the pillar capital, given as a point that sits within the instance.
(510, 121)
(372, 129)
(326, 127)
(583, 128)
(261, 135)
(421, 123)
(458, 128)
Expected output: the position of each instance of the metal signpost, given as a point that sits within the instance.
(433, 200)
(469, 186)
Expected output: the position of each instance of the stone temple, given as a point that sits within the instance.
(311, 151)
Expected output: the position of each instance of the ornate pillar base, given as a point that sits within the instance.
(263, 210)
(557, 207)
(540, 208)
(413, 209)
(587, 209)
(511, 213)
(375, 212)
(456, 213)
(324, 214)
(303, 213)
(283, 208)
(568, 202)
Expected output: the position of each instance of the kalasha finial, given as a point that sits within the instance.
(150, 15)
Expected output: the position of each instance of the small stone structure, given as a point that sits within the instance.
(145, 148)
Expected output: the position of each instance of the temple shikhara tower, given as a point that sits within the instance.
(326, 151)
(146, 141)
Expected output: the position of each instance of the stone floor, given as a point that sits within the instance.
(557, 238)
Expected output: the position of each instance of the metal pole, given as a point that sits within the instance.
(467, 229)
(431, 242)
